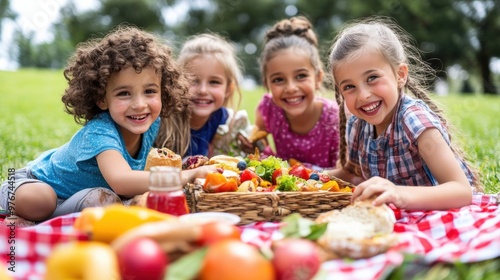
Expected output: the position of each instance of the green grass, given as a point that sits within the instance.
(33, 120)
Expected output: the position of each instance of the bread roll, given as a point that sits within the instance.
(360, 230)
(225, 162)
(162, 157)
(223, 159)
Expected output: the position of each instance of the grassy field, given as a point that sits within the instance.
(33, 120)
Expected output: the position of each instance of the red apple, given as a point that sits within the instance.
(142, 258)
(295, 259)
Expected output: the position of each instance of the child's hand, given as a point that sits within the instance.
(188, 176)
(384, 190)
(245, 144)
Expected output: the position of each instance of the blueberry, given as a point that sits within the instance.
(242, 165)
(314, 176)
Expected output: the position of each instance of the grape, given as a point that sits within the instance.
(242, 165)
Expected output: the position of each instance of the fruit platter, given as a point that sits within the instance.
(267, 189)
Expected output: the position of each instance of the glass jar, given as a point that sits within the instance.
(165, 191)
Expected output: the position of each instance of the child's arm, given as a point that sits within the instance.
(127, 182)
(453, 191)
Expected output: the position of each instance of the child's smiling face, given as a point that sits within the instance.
(370, 87)
(292, 80)
(133, 100)
(210, 88)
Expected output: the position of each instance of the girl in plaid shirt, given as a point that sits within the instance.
(396, 136)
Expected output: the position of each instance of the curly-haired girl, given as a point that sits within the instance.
(397, 139)
(304, 126)
(118, 88)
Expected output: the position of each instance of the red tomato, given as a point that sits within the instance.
(278, 172)
(216, 231)
(247, 175)
(299, 171)
(142, 258)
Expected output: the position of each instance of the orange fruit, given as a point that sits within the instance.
(233, 259)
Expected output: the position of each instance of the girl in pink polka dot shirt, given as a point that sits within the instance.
(303, 126)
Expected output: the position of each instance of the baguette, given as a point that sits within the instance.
(360, 230)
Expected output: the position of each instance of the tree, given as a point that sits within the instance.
(448, 32)
(5, 12)
(243, 22)
(484, 18)
(145, 14)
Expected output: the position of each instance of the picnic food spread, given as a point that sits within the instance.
(465, 235)
(131, 241)
(266, 189)
(253, 174)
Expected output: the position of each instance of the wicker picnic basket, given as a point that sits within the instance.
(266, 206)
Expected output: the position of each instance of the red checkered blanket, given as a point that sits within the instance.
(468, 234)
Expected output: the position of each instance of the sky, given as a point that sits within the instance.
(38, 15)
(33, 15)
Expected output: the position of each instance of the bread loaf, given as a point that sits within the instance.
(360, 230)
(163, 157)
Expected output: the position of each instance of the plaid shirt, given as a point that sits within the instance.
(394, 154)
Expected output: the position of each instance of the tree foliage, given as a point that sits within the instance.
(449, 32)
(5, 13)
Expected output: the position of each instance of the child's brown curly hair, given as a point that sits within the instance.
(94, 61)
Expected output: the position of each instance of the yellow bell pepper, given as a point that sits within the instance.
(331, 186)
(106, 223)
(86, 260)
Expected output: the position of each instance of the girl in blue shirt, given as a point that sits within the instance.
(119, 86)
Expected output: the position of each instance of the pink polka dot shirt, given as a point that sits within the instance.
(319, 147)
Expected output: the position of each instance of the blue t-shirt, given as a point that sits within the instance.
(73, 166)
(202, 137)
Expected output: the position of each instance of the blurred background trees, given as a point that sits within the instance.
(456, 36)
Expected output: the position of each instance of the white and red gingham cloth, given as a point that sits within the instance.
(468, 234)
